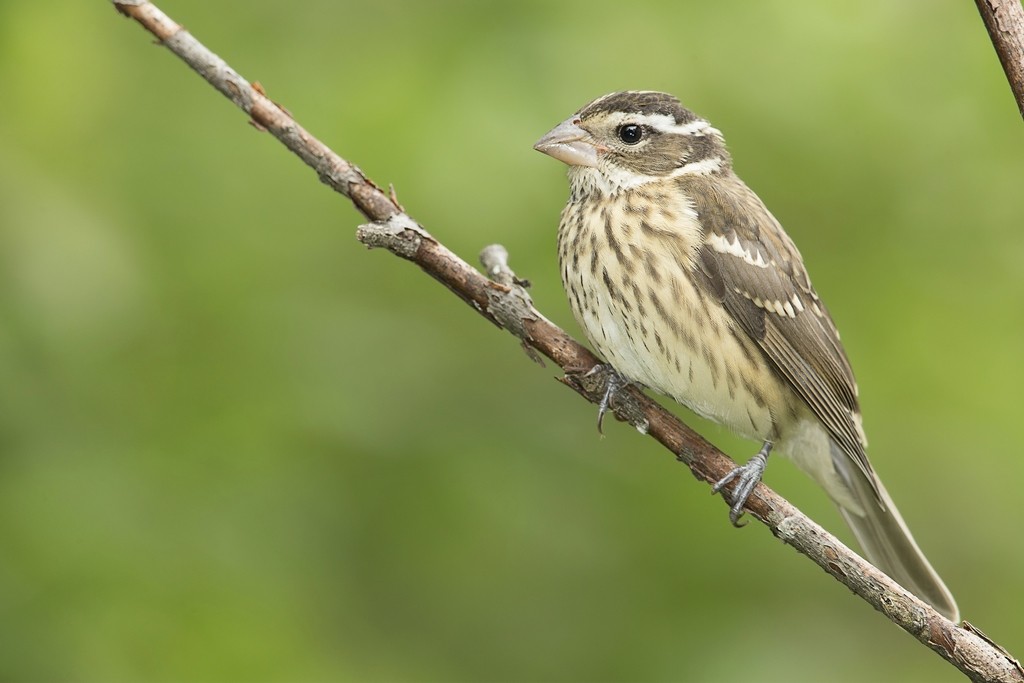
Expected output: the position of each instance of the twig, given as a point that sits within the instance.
(504, 301)
(1004, 20)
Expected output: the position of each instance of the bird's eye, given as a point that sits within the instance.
(631, 133)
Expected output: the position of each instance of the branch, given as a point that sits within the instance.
(1004, 20)
(504, 301)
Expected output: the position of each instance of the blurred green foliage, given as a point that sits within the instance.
(235, 446)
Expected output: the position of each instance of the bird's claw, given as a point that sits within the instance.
(747, 477)
(615, 383)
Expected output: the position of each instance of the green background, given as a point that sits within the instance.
(236, 446)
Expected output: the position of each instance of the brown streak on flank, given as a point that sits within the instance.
(650, 266)
(576, 297)
(612, 292)
(673, 324)
(659, 309)
(625, 229)
(627, 304)
(753, 423)
(709, 359)
(748, 354)
(634, 256)
(639, 301)
(677, 291)
(636, 293)
(730, 381)
(755, 393)
(705, 303)
(577, 237)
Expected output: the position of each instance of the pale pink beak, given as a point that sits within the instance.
(569, 143)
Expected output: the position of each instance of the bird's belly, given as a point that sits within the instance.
(663, 336)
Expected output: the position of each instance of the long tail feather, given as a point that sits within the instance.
(887, 542)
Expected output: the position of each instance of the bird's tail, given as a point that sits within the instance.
(886, 540)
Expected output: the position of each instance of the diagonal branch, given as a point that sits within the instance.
(1004, 20)
(504, 302)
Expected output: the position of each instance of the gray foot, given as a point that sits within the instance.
(614, 383)
(747, 477)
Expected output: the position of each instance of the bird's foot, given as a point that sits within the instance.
(614, 383)
(747, 477)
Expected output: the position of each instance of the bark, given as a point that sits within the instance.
(1004, 20)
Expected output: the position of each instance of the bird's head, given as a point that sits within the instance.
(628, 139)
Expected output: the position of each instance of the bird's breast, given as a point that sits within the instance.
(627, 265)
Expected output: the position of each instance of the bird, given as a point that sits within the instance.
(686, 283)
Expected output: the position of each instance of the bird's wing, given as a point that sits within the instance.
(750, 264)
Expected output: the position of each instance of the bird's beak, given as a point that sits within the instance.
(569, 143)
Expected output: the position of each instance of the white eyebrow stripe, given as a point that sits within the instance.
(663, 123)
(698, 127)
(666, 124)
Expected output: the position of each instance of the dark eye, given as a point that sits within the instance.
(631, 133)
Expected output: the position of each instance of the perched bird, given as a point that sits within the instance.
(687, 284)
